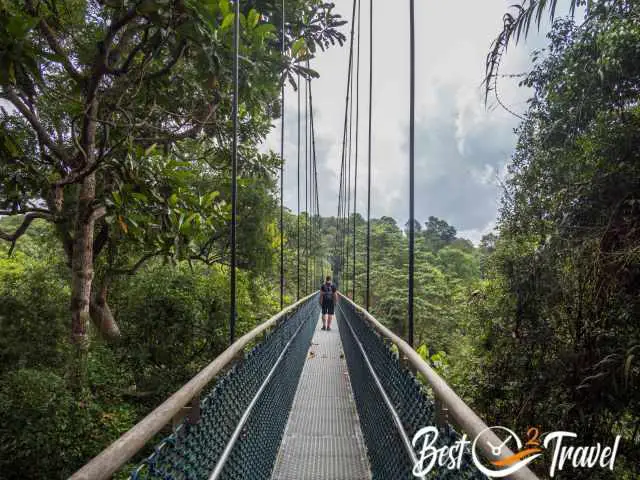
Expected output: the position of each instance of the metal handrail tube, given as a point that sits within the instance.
(119, 452)
(217, 471)
(462, 414)
(396, 418)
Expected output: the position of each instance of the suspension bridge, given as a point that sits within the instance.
(288, 400)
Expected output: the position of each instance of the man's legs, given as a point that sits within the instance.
(324, 315)
(329, 316)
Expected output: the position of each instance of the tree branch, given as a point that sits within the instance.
(191, 132)
(116, 25)
(104, 47)
(124, 68)
(207, 260)
(78, 175)
(182, 47)
(98, 213)
(101, 65)
(24, 211)
(58, 50)
(28, 218)
(43, 136)
(132, 270)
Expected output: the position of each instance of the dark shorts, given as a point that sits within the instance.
(327, 308)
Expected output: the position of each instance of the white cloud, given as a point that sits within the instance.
(461, 147)
(475, 235)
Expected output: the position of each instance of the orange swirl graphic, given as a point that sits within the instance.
(505, 462)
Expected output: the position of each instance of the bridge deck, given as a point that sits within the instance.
(323, 439)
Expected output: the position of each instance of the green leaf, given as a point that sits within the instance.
(190, 218)
(11, 73)
(309, 72)
(151, 149)
(225, 8)
(423, 351)
(140, 196)
(253, 18)
(210, 197)
(227, 23)
(265, 30)
(297, 47)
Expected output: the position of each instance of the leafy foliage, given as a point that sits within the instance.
(447, 272)
(117, 129)
(174, 320)
(559, 307)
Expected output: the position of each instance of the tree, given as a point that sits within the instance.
(438, 232)
(106, 103)
(416, 226)
(561, 296)
(488, 242)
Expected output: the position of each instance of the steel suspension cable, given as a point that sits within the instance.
(306, 185)
(282, 173)
(298, 219)
(348, 209)
(314, 232)
(338, 241)
(355, 174)
(343, 187)
(368, 268)
(341, 215)
(310, 217)
(234, 171)
(315, 165)
(412, 92)
(341, 209)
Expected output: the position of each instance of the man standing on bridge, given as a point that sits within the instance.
(328, 299)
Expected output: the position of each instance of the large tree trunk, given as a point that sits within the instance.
(81, 279)
(82, 252)
(101, 314)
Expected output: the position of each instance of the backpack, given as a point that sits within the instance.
(327, 292)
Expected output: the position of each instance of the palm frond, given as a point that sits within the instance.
(516, 26)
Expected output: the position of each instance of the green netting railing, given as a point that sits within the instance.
(192, 452)
(406, 399)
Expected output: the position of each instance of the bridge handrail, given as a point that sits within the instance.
(463, 415)
(124, 448)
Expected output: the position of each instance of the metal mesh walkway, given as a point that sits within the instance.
(323, 439)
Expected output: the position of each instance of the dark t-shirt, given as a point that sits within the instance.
(325, 289)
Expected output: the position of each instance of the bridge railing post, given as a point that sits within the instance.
(193, 416)
(406, 364)
(190, 412)
(442, 412)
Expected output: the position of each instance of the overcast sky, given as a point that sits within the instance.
(462, 147)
